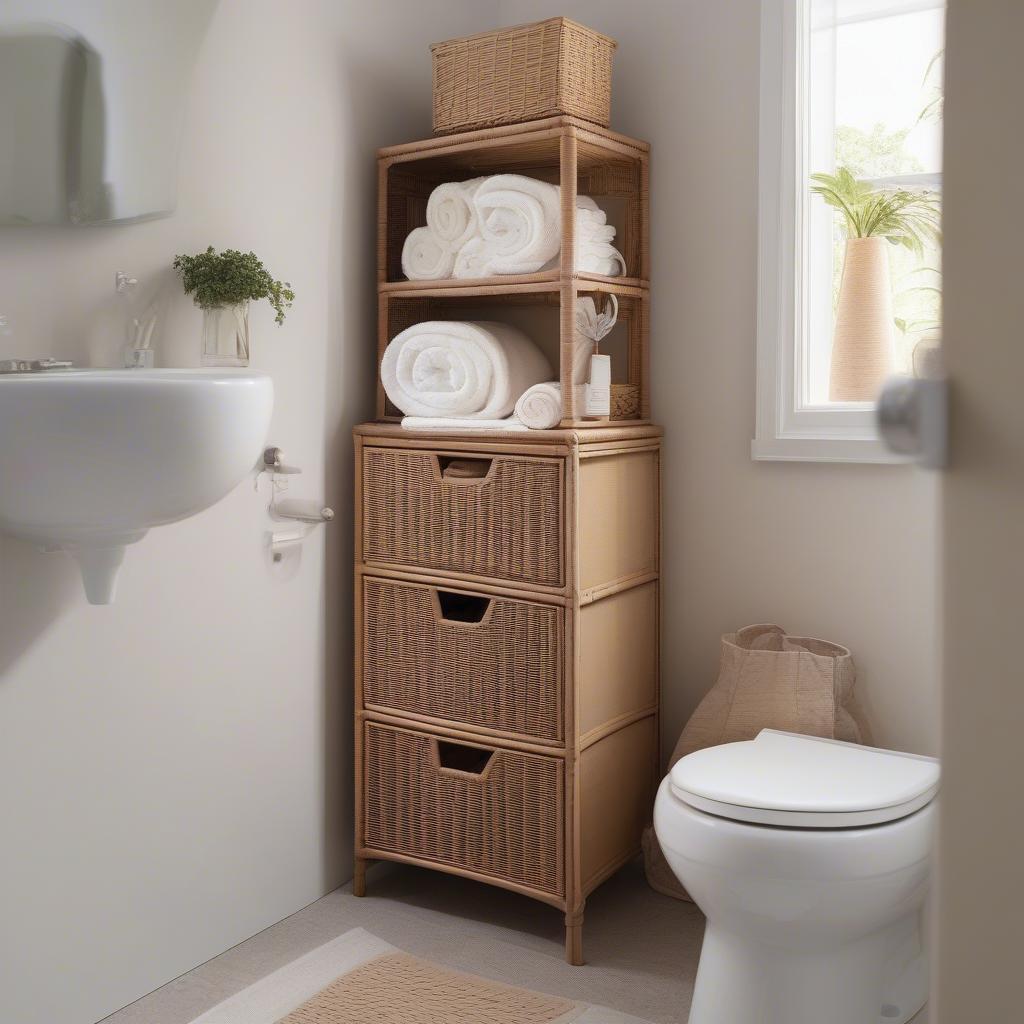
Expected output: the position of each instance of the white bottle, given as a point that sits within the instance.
(599, 390)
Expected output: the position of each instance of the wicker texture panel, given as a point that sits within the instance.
(503, 673)
(505, 823)
(397, 988)
(507, 526)
(523, 73)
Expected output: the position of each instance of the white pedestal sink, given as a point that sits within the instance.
(91, 459)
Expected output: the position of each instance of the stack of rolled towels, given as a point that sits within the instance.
(505, 224)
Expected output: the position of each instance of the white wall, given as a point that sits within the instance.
(841, 551)
(174, 769)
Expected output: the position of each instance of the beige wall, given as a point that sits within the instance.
(175, 769)
(841, 551)
(981, 842)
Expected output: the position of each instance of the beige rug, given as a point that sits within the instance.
(360, 979)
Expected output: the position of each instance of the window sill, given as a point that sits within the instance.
(869, 451)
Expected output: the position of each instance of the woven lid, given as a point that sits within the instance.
(528, 25)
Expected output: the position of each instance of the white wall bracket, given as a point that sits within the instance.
(301, 515)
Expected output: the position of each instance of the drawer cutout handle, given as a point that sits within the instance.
(457, 469)
(464, 609)
(461, 759)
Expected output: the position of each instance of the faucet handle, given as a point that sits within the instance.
(123, 283)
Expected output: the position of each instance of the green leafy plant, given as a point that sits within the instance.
(230, 277)
(903, 216)
(934, 109)
(878, 151)
(927, 320)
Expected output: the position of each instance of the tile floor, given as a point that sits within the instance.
(641, 948)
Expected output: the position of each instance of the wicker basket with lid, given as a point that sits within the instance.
(518, 74)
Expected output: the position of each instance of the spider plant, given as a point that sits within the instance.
(903, 216)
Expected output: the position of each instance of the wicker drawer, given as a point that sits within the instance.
(489, 811)
(486, 662)
(503, 521)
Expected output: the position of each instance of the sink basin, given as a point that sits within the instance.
(92, 459)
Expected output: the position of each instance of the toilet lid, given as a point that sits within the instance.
(786, 779)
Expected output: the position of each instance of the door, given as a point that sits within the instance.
(980, 888)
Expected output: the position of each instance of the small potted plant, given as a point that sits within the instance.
(222, 285)
(862, 346)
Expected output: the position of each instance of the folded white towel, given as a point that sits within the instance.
(456, 424)
(451, 213)
(450, 368)
(540, 407)
(425, 258)
(594, 252)
(601, 261)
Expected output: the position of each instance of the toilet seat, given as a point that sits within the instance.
(796, 781)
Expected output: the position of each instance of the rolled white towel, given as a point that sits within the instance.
(473, 260)
(425, 257)
(466, 369)
(451, 213)
(519, 220)
(540, 407)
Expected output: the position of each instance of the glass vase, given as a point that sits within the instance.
(226, 335)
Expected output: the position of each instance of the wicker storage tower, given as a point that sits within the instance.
(507, 584)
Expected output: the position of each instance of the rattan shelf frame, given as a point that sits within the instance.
(584, 159)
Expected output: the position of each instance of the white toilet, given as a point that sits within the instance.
(810, 859)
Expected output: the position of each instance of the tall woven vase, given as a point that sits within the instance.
(862, 346)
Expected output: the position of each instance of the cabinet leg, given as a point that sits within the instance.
(574, 939)
(359, 877)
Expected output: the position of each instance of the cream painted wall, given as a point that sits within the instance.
(174, 769)
(841, 551)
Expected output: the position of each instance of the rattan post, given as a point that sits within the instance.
(567, 280)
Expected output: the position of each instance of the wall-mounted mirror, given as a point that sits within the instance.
(92, 99)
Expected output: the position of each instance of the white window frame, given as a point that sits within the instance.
(788, 428)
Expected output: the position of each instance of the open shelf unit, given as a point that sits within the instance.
(584, 159)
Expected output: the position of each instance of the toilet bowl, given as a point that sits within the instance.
(810, 860)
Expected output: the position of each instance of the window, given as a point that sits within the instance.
(846, 85)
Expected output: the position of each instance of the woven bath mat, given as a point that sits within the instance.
(360, 979)
(403, 989)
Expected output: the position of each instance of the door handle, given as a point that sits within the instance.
(913, 419)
